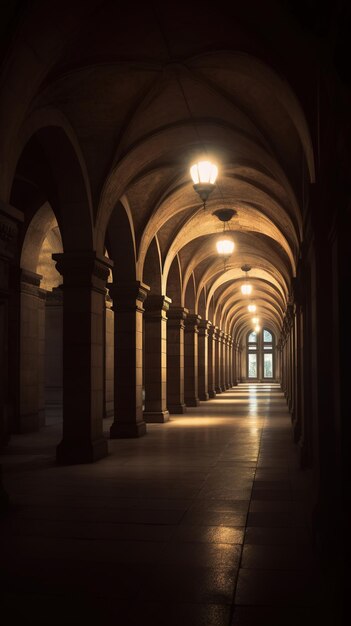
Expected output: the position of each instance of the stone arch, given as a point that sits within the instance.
(152, 271)
(190, 295)
(120, 244)
(60, 173)
(174, 283)
(40, 323)
(201, 305)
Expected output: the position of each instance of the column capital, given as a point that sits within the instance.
(155, 305)
(83, 269)
(211, 330)
(216, 332)
(203, 327)
(177, 313)
(128, 296)
(54, 297)
(30, 284)
(191, 322)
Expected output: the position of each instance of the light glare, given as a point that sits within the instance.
(204, 172)
(246, 289)
(225, 247)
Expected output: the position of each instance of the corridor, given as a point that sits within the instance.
(202, 522)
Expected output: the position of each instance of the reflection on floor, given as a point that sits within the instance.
(201, 522)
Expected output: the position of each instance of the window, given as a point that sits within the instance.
(267, 337)
(252, 366)
(268, 365)
(268, 354)
(259, 352)
(252, 355)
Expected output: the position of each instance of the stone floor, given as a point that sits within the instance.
(201, 522)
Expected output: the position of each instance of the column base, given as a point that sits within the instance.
(192, 401)
(177, 408)
(156, 417)
(212, 393)
(204, 396)
(77, 452)
(219, 390)
(126, 430)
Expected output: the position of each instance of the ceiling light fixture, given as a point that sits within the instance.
(246, 288)
(252, 308)
(204, 174)
(225, 245)
(255, 320)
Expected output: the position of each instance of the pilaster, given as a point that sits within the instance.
(175, 359)
(128, 302)
(191, 360)
(156, 307)
(203, 328)
(84, 291)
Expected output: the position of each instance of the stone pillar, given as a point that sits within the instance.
(175, 359)
(222, 360)
(226, 362)
(240, 364)
(156, 359)
(234, 363)
(128, 369)
(53, 347)
(10, 219)
(211, 361)
(31, 414)
(109, 358)
(230, 361)
(218, 387)
(191, 360)
(84, 292)
(203, 339)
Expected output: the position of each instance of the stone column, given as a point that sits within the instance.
(218, 386)
(240, 364)
(53, 347)
(211, 361)
(32, 343)
(84, 292)
(191, 360)
(156, 359)
(226, 360)
(10, 219)
(222, 360)
(109, 358)
(230, 362)
(203, 340)
(175, 359)
(128, 369)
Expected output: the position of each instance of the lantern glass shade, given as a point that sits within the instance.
(225, 246)
(246, 289)
(255, 320)
(204, 172)
(257, 328)
(252, 308)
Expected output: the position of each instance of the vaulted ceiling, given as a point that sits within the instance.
(145, 91)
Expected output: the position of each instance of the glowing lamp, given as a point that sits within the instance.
(204, 175)
(225, 247)
(246, 289)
